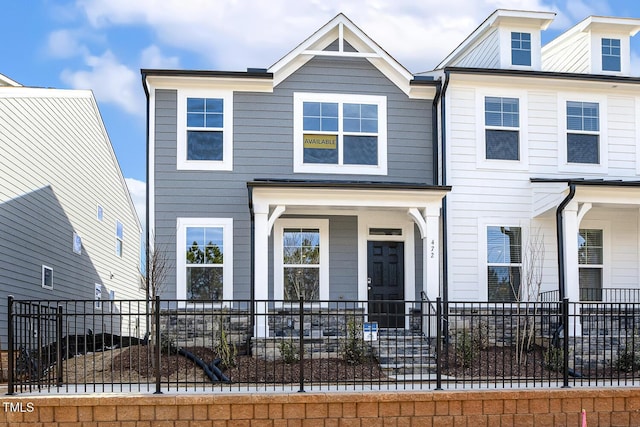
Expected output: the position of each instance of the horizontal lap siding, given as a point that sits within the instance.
(263, 149)
(57, 166)
(481, 193)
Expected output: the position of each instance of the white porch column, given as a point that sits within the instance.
(571, 272)
(261, 268)
(431, 267)
(431, 245)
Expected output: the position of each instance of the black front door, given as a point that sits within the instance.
(385, 265)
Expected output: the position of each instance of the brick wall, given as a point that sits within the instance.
(535, 408)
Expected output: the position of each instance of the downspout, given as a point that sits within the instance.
(252, 308)
(559, 237)
(443, 137)
(147, 198)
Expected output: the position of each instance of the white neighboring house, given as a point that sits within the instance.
(68, 227)
(542, 141)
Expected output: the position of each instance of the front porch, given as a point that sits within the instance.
(305, 231)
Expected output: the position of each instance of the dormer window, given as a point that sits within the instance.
(611, 55)
(521, 49)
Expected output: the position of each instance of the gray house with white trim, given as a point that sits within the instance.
(313, 178)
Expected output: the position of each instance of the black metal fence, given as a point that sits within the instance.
(168, 345)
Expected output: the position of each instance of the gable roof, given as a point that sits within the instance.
(606, 24)
(6, 81)
(499, 17)
(352, 43)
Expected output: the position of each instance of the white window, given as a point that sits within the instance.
(301, 259)
(98, 296)
(520, 48)
(205, 259)
(504, 262)
(502, 128)
(47, 277)
(591, 262)
(340, 133)
(205, 130)
(77, 243)
(611, 55)
(119, 238)
(582, 134)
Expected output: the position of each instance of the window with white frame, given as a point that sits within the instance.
(521, 48)
(47, 277)
(504, 262)
(583, 132)
(590, 261)
(340, 133)
(502, 128)
(119, 238)
(205, 259)
(301, 260)
(205, 133)
(611, 54)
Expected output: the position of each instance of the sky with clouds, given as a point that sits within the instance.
(102, 44)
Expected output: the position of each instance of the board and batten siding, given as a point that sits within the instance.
(57, 167)
(263, 149)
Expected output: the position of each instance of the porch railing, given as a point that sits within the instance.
(168, 345)
(598, 295)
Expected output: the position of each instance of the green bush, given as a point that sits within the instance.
(289, 351)
(353, 349)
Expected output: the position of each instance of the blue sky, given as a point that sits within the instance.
(102, 44)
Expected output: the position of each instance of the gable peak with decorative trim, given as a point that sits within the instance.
(352, 42)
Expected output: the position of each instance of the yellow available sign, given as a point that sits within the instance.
(327, 142)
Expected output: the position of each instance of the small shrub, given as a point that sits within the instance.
(226, 352)
(629, 355)
(466, 348)
(554, 359)
(354, 350)
(469, 342)
(168, 345)
(289, 351)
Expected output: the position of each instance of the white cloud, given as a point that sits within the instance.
(255, 33)
(110, 80)
(138, 191)
(152, 58)
(64, 44)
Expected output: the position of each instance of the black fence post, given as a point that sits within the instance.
(565, 343)
(157, 346)
(11, 360)
(438, 343)
(301, 345)
(59, 346)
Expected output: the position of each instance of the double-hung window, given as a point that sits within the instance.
(340, 133)
(590, 260)
(204, 264)
(502, 128)
(583, 132)
(504, 262)
(119, 238)
(301, 256)
(521, 48)
(204, 140)
(611, 55)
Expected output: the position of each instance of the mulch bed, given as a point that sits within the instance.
(247, 369)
